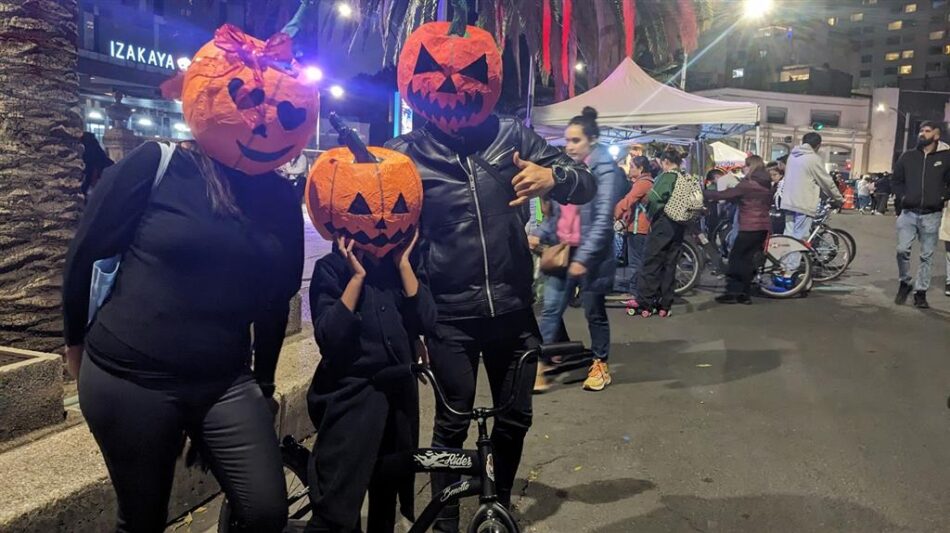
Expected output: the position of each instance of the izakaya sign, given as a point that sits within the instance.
(145, 56)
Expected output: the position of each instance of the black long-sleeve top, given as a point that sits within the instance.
(379, 333)
(192, 281)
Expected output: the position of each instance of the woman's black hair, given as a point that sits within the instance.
(587, 120)
(643, 163)
(673, 156)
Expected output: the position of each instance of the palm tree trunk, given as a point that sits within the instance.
(40, 165)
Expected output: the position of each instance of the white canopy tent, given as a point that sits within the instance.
(632, 106)
(726, 156)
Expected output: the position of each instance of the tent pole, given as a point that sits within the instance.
(527, 120)
(758, 139)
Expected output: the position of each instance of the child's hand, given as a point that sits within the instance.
(401, 257)
(345, 248)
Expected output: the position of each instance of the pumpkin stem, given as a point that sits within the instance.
(459, 17)
(351, 140)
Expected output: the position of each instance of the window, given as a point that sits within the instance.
(937, 35)
(910, 8)
(906, 69)
(870, 2)
(867, 29)
(795, 74)
(939, 3)
(868, 44)
(830, 119)
(946, 50)
(933, 67)
(908, 39)
(892, 56)
(833, 21)
(896, 25)
(738, 73)
(865, 73)
(935, 50)
(894, 40)
(867, 59)
(890, 71)
(907, 54)
(776, 115)
(856, 17)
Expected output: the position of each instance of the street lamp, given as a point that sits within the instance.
(344, 10)
(756, 9)
(336, 91)
(579, 67)
(884, 108)
(312, 74)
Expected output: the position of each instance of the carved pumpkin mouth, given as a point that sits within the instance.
(378, 241)
(262, 157)
(459, 108)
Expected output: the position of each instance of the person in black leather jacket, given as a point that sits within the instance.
(474, 256)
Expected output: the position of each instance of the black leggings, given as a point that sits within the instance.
(454, 355)
(658, 274)
(140, 432)
(742, 261)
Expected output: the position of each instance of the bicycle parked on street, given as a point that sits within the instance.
(477, 464)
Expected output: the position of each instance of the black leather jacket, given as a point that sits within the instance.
(473, 246)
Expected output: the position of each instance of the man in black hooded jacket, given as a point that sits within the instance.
(922, 180)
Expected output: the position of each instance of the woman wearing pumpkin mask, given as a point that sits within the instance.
(211, 250)
(479, 170)
(588, 229)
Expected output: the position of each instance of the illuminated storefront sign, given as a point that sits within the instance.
(146, 56)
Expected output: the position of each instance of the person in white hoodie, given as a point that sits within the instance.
(805, 180)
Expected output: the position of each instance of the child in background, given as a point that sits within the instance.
(368, 313)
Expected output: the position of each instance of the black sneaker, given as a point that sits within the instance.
(920, 300)
(902, 293)
(946, 290)
(744, 299)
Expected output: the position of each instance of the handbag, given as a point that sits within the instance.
(104, 271)
(555, 258)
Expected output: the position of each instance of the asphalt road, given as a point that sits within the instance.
(825, 413)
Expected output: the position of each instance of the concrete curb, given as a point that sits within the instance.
(60, 482)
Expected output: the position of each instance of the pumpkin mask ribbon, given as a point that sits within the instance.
(276, 52)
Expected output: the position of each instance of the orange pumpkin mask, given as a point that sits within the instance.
(375, 204)
(454, 81)
(244, 102)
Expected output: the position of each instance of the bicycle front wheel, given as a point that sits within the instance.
(832, 255)
(851, 242)
(688, 268)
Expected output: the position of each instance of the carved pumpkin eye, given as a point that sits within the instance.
(426, 63)
(290, 116)
(244, 99)
(359, 206)
(478, 70)
(401, 208)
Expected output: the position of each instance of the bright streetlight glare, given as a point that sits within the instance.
(336, 91)
(344, 10)
(881, 108)
(579, 67)
(182, 127)
(94, 115)
(183, 63)
(756, 9)
(313, 74)
(145, 122)
(614, 151)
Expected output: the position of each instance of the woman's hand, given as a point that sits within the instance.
(345, 247)
(74, 360)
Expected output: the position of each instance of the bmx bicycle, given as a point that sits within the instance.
(476, 466)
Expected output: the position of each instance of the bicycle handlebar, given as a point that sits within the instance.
(549, 350)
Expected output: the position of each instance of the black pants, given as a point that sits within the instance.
(659, 263)
(881, 201)
(140, 432)
(741, 261)
(454, 355)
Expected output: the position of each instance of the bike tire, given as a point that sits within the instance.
(721, 235)
(493, 518)
(689, 266)
(851, 241)
(804, 277)
(298, 497)
(831, 253)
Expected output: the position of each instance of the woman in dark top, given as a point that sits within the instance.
(206, 256)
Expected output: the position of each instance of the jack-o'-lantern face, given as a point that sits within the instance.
(453, 81)
(244, 103)
(375, 204)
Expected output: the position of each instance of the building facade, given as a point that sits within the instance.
(849, 127)
(127, 49)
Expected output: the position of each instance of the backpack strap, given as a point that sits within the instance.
(168, 150)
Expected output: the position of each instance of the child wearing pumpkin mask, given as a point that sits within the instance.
(369, 310)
